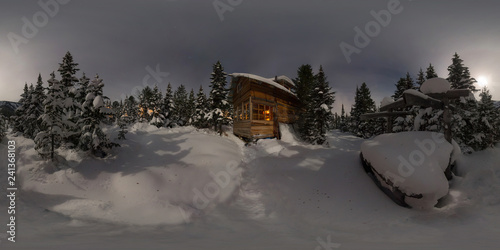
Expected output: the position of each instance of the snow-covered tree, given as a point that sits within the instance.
(168, 109)
(52, 134)
(130, 109)
(343, 120)
(67, 70)
(363, 103)
(219, 113)
(94, 112)
(403, 84)
(420, 78)
(459, 75)
(430, 72)
(201, 109)
(191, 107)
(20, 113)
(35, 109)
(318, 111)
(181, 107)
(157, 103)
(146, 104)
(304, 83)
(487, 131)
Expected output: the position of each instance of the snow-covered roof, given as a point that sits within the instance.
(284, 78)
(435, 85)
(264, 80)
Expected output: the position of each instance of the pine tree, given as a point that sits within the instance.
(169, 107)
(67, 70)
(201, 110)
(181, 107)
(130, 109)
(218, 101)
(156, 107)
(319, 109)
(191, 107)
(304, 84)
(20, 113)
(343, 120)
(487, 132)
(94, 112)
(430, 73)
(363, 103)
(146, 104)
(50, 138)
(35, 110)
(420, 78)
(459, 75)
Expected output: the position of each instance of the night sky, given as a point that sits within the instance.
(124, 41)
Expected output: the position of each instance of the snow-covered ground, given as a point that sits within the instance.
(187, 189)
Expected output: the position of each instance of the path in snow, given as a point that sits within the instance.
(289, 196)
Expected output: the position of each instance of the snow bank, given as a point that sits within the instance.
(413, 162)
(435, 85)
(158, 176)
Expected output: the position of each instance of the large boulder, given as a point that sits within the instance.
(413, 168)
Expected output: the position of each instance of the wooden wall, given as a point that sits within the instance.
(285, 107)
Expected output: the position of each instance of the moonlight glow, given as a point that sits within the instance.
(482, 81)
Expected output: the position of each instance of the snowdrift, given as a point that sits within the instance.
(158, 176)
(413, 168)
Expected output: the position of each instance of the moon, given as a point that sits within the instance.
(482, 81)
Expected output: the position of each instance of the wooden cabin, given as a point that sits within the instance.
(260, 104)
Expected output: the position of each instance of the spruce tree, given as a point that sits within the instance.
(304, 84)
(420, 78)
(459, 75)
(130, 109)
(201, 110)
(319, 109)
(343, 120)
(363, 103)
(191, 107)
(35, 110)
(156, 106)
(20, 113)
(218, 114)
(94, 112)
(67, 70)
(52, 134)
(146, 104)
(487, 130)
(430, 72)
(181, 105)
(169, 108)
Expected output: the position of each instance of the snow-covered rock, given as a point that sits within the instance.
(411, 165)
(435, 85)
(386, 101)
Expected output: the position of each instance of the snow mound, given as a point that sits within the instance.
(158, 177)
(435, 85)
(412, 162)
(386, 101)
